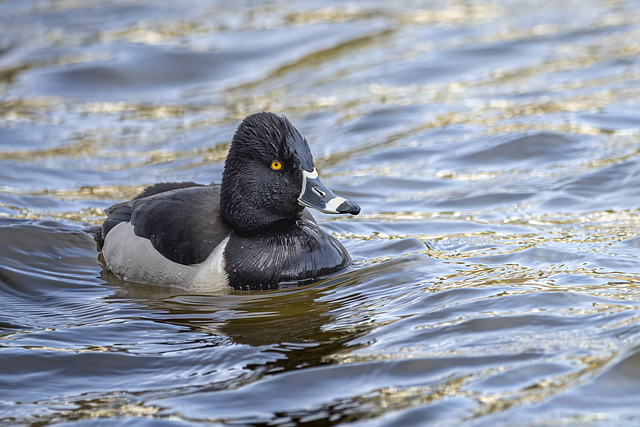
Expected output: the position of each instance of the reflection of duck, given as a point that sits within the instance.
(250, 232)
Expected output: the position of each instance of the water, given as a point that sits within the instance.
(494, 148)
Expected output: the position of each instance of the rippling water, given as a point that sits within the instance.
(494, 147)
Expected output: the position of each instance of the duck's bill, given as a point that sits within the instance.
(315, 195)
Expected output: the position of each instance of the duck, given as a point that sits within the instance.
(253, 231)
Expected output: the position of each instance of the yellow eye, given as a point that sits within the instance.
(276, 165)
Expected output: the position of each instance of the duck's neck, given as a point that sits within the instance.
(246, 216)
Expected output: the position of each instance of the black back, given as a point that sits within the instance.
(184, 225)
(162, 187)
(122, 211)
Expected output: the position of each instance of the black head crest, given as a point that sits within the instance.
(268, 134)
(269, 177)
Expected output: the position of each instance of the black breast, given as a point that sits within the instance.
(290, 254)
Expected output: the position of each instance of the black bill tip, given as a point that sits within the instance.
(348, 207)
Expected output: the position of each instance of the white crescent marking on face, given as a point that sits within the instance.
(305, 175)
(313, 174)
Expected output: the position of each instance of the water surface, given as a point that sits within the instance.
(494, 147)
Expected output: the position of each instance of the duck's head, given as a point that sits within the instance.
(269, 176)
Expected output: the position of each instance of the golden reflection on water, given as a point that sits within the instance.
(544, 389)
(329, 82)
(118, 405)
(458, 14)
(240, 100)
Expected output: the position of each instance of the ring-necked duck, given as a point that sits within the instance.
(252, 231)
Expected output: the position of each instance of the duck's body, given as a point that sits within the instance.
(250, 232)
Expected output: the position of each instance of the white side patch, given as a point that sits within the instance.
(134, 259)
(212, 274)
(333, 204)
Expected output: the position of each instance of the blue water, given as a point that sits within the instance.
(494, 147)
